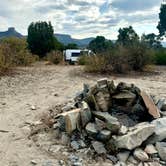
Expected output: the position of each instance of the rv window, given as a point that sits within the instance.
(74, 54)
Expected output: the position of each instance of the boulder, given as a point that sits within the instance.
(161, 148)
(140, 155)
(159, 132)
(112, 123)
(99, 147)
(135, 137)
(152, 109)
(125, 95)
(102, 83)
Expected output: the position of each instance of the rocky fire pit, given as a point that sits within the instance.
(120, 123)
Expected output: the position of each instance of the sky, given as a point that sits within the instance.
(82, 18)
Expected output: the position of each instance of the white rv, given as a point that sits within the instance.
(72, 55)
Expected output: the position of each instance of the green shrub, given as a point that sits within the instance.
(55, 57)
(82, 60)
(13, 52)
(160, 57)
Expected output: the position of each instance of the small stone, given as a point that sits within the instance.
(65, 139)
(99, 147)
(150, 149)
(140, 155)
(161, 148)
(112, 158)
(132, 160)
(33, 107)
(123, 156)
(85, 114)
(75, 145)
(163, 108)
(91, 129)
(104, 135)
(102, 83)
(33, 162)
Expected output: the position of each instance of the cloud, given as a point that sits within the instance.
(82, 18)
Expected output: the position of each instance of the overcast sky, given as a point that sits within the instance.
(82, 18)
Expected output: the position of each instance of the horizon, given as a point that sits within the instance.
(82, 19)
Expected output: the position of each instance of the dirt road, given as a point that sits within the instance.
(43, 87)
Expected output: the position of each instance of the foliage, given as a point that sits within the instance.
(160, 57)
(13, 52)
(151, 40)
(100, 44)
(162, 23)
(55, 57)
(82, 60)
(41, 38)
(127, 36)
(71, 46)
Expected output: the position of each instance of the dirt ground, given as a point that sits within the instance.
(45, 86)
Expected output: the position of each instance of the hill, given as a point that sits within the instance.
(66, 39)
(11, 32)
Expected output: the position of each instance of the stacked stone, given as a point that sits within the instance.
(121, 120)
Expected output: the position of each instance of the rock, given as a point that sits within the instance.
(135, 138)
(150, 149)
(140, 155)
(123, 156)
(65, 139)
(125, 95)
(85, 114)
(161, 148)
(152, 109)
(160, 103)
(100, 125)
(112, 158)
(103, 100)
(99, 147)
(102, 83)
(123, 130)
(163, 108)
(75, 145)
(68, 107)
(112, 123)
(91, 129)
(71, 120)
(159, 132)
(132, 160)
(33, 107)
(34, 162)
(104, 135)
(111, 87)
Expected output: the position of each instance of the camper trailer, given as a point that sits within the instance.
(72, 55)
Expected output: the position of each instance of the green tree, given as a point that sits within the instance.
(162, 23)
(72, 46)
(41, 38)
(100, 44)
(127, 36)
(151, 40)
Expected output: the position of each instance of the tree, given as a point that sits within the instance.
(162, 23)
(100, 44)
(41, 38)
(72, 46)
(151, 40)
(127, 36)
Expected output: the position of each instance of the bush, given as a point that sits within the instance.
(160, 57)
(120, 59)
(13, 52)
(82, 60)
(55, 57)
